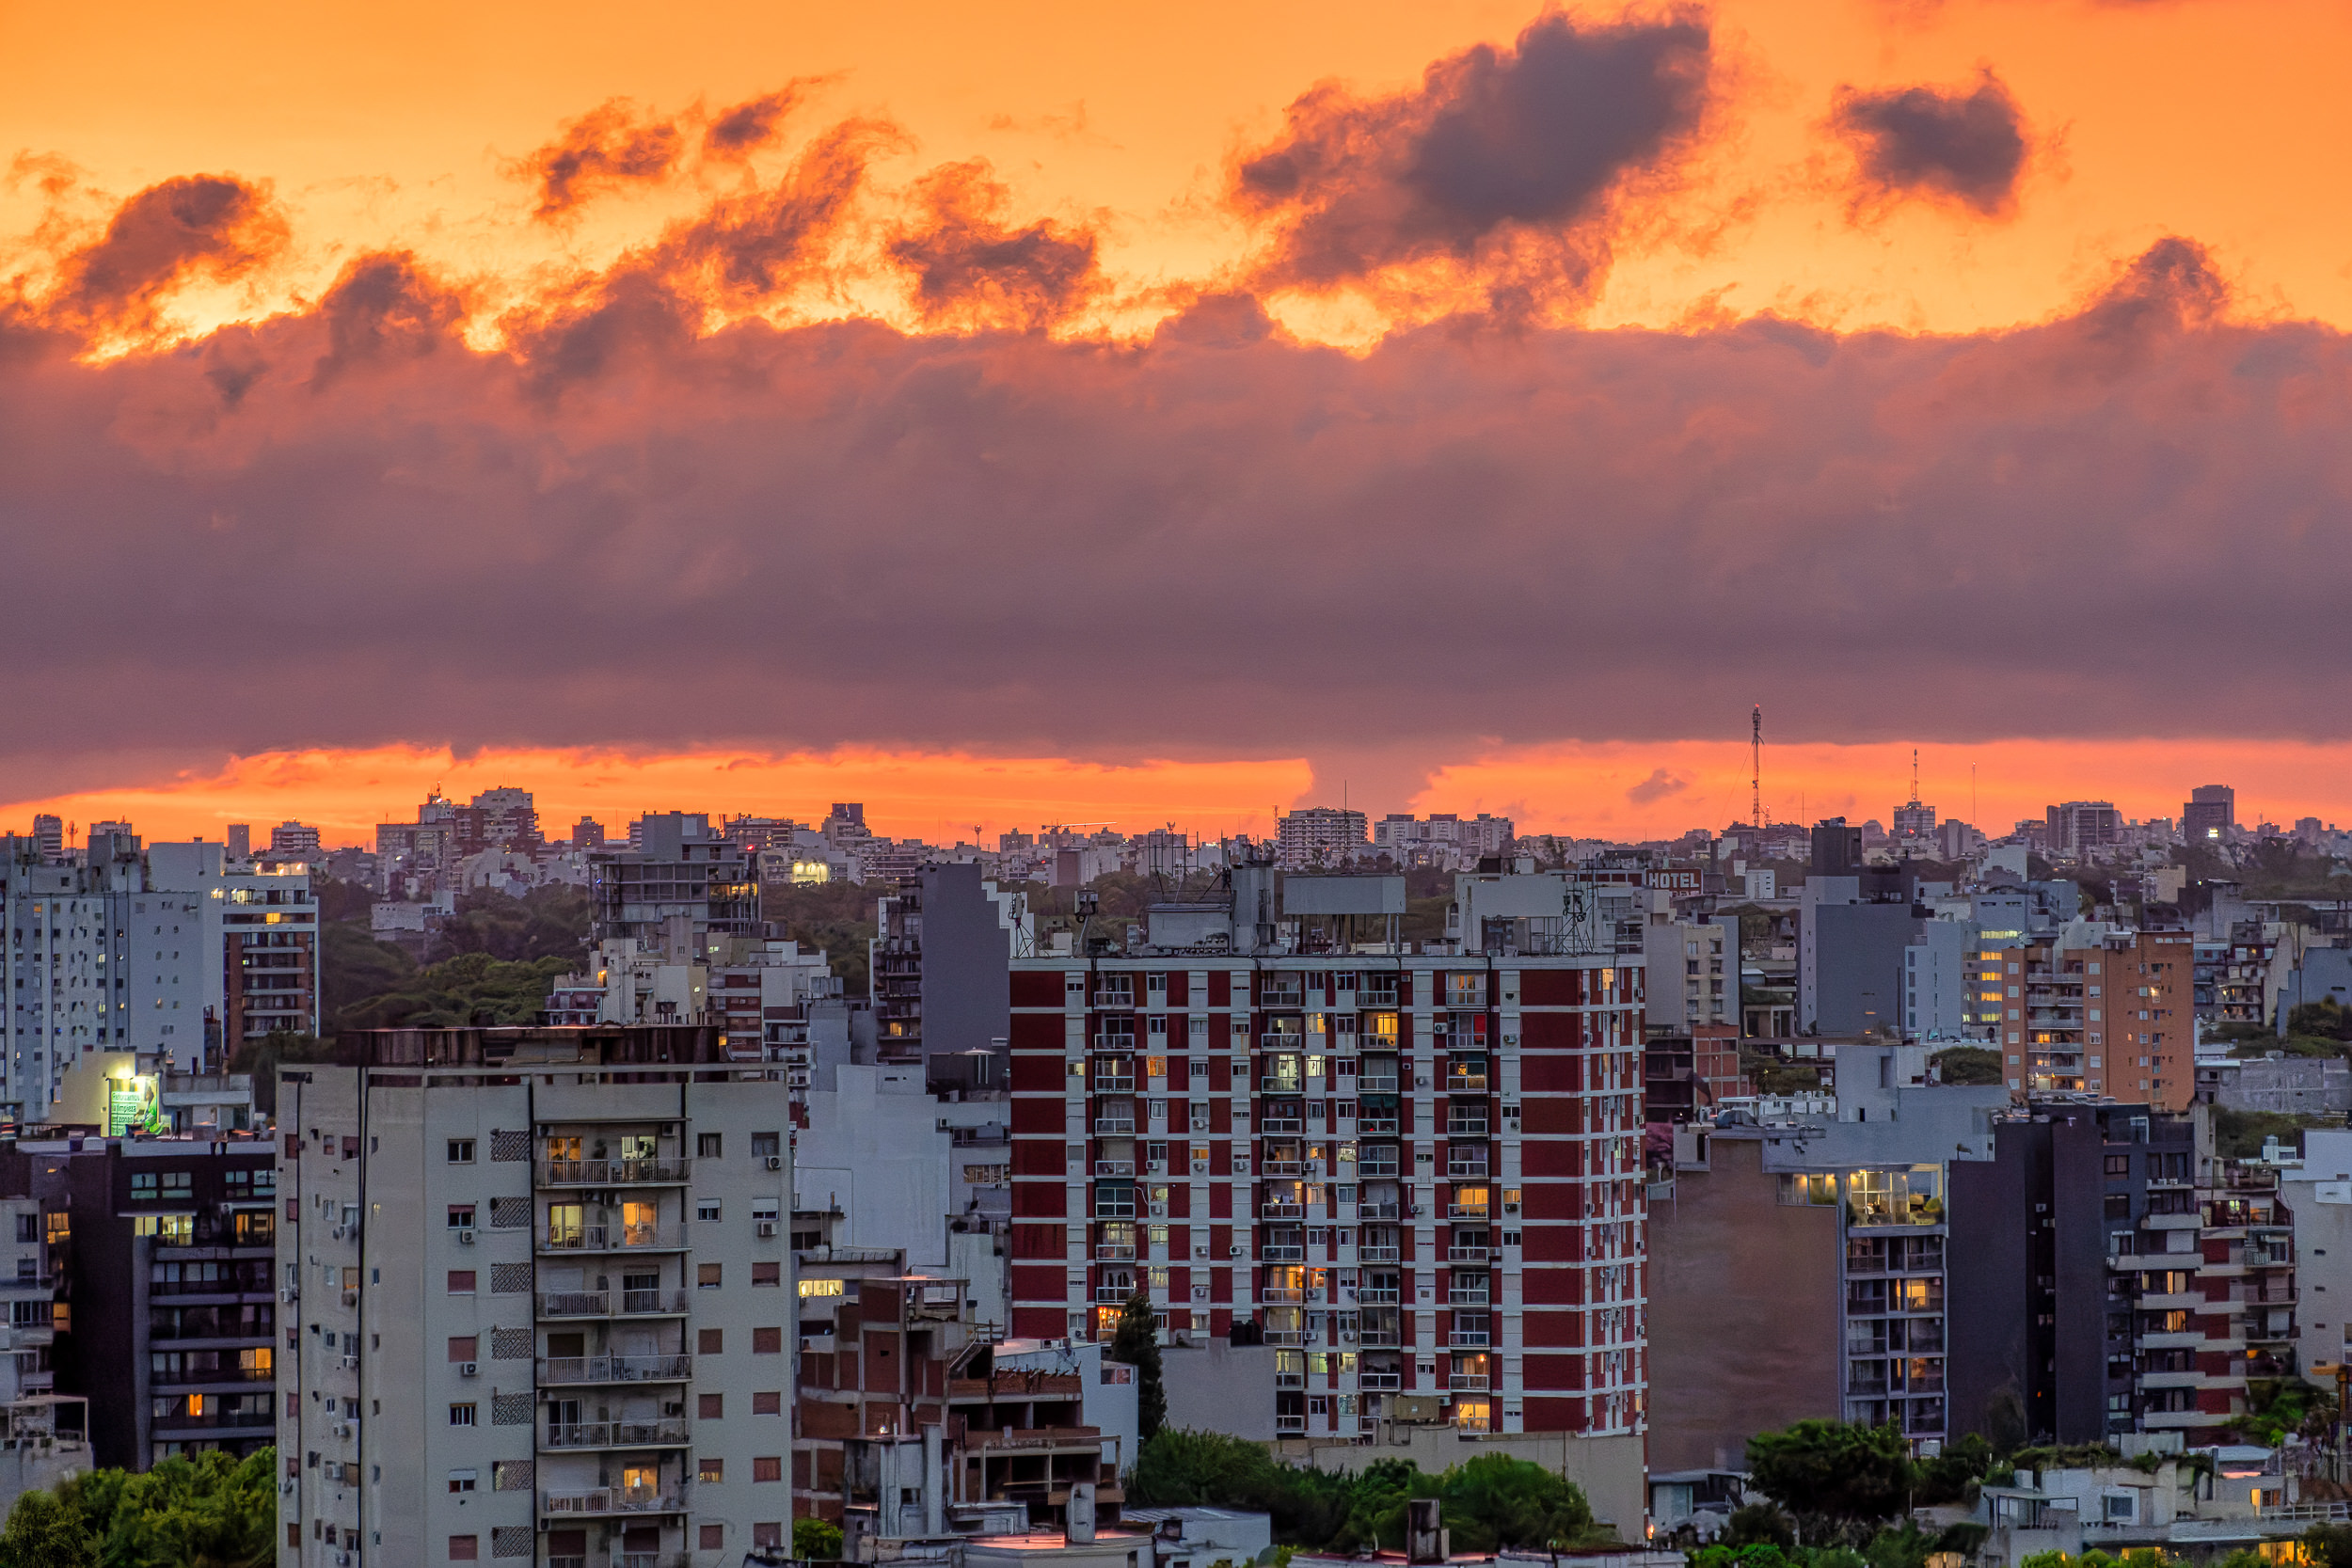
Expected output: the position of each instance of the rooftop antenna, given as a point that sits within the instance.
(1914, 775)
(1756, 765)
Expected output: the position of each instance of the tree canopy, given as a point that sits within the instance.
(1832, 1475)
(205, 1510)
(1136, 1343)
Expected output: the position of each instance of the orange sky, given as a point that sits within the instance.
(2221, 119)
(1623, 791)
(2224, 120)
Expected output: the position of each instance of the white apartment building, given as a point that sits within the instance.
(137, 951)
(539, 1298)
(1693, 967)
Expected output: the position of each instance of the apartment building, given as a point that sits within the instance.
(2110, 1275)
(164, 1252)
(1693, 970)
(537, 1300)
(1416, 1174)
(1442, 839)
(937, 969)
(2093, 1009)
(1320, 835)
(676, 885)
(2080, 825)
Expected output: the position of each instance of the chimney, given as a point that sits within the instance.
(1078, 1522)
(1424, 1541)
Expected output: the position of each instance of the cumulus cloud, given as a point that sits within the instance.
(971, 268)
(611, 147)
(194, 227)
(1219, 542)
(384, 304)
(1496, 147)
(1969, 147)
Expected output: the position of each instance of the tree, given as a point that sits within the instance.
(1496, 1502)
(814, 1539)
(43, 1531)
(1759, 1524)
(1968, 1064)
(1832, 1476)
(262, 1057)
(210, 1510)
(1136, 1344)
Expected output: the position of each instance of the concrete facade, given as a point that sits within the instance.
(539, 1300)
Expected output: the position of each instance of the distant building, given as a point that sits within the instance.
(2211, 812)
(938, 965)
(1914, 820)
(677, 885)
(2089, 1009)
(1442, 839)
(587, 833)
(2080, 825)
(291, 840)
(240, 836)
(1321, 836)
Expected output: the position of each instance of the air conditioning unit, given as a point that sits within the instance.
(1159, 1210)
(351, 1362)
(343, 1429)
(775, 1162)
(765, 1227)
(1347, 1336)
(469, 1368)
(1233, 1252)
(465, 1236)
(288, 1294)
(340, 1232)
(1201, 1249)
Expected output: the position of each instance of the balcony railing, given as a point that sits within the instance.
(616, 1368)
(616, 1434)
(612, 1238)
(1466, 1212)
(1465, 1127)
(1282, 1254)
(1369, 1083)
(615, 1499)
(1380, 1255)
(1126, 1124)
(1468, 1253)
(1116, 1251)
(1460, 1297)
(1376, 1382)
(1374, 1294)
(1377, 1212)
(1115, 1168)
(1105, 1084)
(1282, 1211)
(1467, 1382)
(1466, 1171)
(614, 1173)
(1476, 1339)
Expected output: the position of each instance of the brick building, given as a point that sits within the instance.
(1416, 1174)
(2106, 1012)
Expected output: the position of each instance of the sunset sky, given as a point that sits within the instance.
(1038, 412)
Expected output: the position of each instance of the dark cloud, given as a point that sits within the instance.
(609, 147)
(750, 126)
(972, 269)
(1219, 542)
(1495, 144)
(198, 226)
(1967, 146)
(1658, 787)
(383, 306)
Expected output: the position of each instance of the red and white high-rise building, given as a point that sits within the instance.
(1417, 1173)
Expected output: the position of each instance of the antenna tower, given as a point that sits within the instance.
(1914, 775)
(1755, 766)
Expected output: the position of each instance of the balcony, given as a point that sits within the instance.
(1376, 1170)
(610, 1303)
(1466, 1082)
(616, 1434)
(1281, 1167)
(575, 1369)
(1117, 1252)
(1282, 1254)
(1282, 1211)
(1465, 1127)
(1461, 1297)
(1467, 1170)
(1376, 1082)
(1372, 1383)
(1107, 1084)
(1270, 1125)
(1281, 1295)
(613, 1238)
(1377, 1212)
(1370, 1122)
(1468, 1255)
(1380, 1255)
(1467, 1382)
(1290, 1423)
(1470, 1338)
(1122, 1125)
(1466, 1212)
(615, 1172)
(607, 1500)
(1381, 1339)
(1115, 1168)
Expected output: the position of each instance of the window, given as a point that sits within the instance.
(143, 1187)
(711, 1407)
(461, 1415)
(708, 1209)
(707, 1276)
(462, 1347)
(462, 1548)
(767, 1402)
(461, 1282)
(178, 1184)
(768, 1534)
(461, 1480)
(461, 1216)
(711, 1342)
(767, 1341)
(766, 1145)
(714, 1537)
(767, 1274)
(706, 1145)
(461, 1153)
(710, 1471)
(2118, 1164)
(769, 1469)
